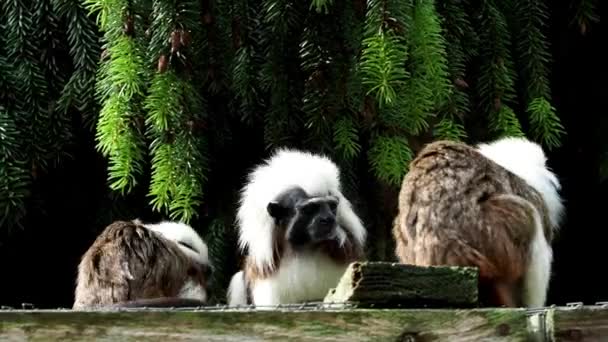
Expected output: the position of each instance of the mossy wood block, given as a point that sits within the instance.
(385, 284)
(276, 325)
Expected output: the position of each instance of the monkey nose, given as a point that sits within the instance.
(327, 221)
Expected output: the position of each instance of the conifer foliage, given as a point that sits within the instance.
(164, 84)
(48, 59)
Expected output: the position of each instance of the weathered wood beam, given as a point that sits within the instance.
(554, 324)
(385, 284)
(589, 324)
(278, 325)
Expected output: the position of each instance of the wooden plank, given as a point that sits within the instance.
(277, 325)
(385, 284)
(589, 324)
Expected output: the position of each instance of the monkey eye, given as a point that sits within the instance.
(310, 208)
(333, 206)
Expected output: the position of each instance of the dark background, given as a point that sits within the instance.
(38, 264)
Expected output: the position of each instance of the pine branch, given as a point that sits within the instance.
(585, 15)
(505, 123)
(428, 87)
(215, 50)
(280, 20)
(8, 87)
(245, 83)
(382, 62)
(532, 47)
(382, 70)
(545, 123)
(14, 174)
(178, 162)
(346, 138)
(52, 45)
(462, 45)
(449, 129)
(32, 108)
(79, 91)
(120, 88)
(174, 107)
(245, 69)
(389, 158)
(352, 22)
(321, 6)
(495, 86)
(534, 58)
(322, 60)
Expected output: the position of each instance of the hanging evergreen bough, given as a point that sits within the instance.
(175, 111)
(496, 83)
(79, 90)
(23, 46)
(322, 61)
(428, 86)
(346, 138)
(363, 81)
(389, 156)
(14, 175)
(384, 78)
(585, 14)
(120, 89)
(245, 69)
(280, 21)
(321, 6)
(532, 47)
(461, 47)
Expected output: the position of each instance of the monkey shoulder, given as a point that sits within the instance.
(448, 169)
(125, 243)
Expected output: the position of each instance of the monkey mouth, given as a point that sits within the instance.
(326, 234)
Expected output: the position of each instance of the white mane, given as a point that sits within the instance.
(315, 174)
(527, 160)
(181, 232)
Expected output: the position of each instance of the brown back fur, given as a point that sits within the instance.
(129, 262)
(453, 211)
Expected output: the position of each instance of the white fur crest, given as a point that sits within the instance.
(527, 160)
(316, 174)
(303, 278)
(181, 232)
(237, 290)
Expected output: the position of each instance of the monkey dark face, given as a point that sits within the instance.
(305, 220)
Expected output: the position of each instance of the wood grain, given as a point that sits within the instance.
(384, 284)
(276, 325)
(582, 324)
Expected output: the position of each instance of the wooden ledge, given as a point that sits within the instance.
(548, 324)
